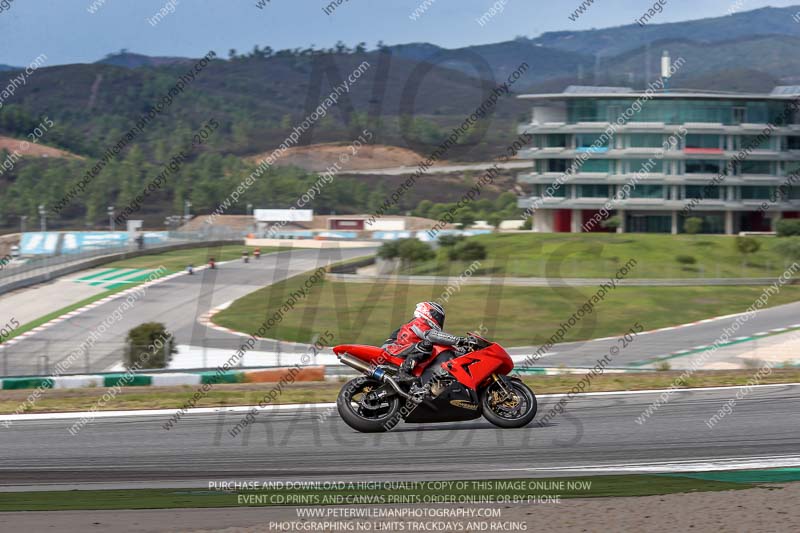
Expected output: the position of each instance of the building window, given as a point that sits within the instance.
(756, 192)
(649, 224)
(592, 143)
(792, 142)
(646, 140)
(702, 141)
(794, 192)
(752, 142)
(756, 167)
(592, 191)
(711, 223)
(646, 166)
(556, 165)
(584, 140)
(554, 140)
(702, 192)
(739, 115)
(552, 191)
(596, 165)
(703, 166)
(647, 191)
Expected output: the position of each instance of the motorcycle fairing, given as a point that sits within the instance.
(474, 368)
(455, 403)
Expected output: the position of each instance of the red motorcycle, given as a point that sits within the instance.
(454, 385)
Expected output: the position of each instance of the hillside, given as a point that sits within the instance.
(320, 157)
(609, 42)
(410, 97)
(32, 150)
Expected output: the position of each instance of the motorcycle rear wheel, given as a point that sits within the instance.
(360, 414)
(510, 413)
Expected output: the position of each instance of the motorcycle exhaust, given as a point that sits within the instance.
(373, 372)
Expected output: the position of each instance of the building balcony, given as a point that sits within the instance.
(654, 204)
(656, 127)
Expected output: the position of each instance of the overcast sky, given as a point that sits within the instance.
(67, 33)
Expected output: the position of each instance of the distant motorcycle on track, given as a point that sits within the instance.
(458, 384)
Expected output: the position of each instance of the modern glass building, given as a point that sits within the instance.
(656, 159)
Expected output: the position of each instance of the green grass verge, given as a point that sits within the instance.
(599, 255)
(178, 260)
(62, 400)
(518, 491)
(524, 316)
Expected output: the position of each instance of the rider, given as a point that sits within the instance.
(415, 340)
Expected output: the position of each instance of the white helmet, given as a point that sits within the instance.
(430, 311)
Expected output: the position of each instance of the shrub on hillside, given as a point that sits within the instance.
(414, 251)
(467, 251)
(788, 227)
(611, 222)
(789, 248)
(389, 250)
(693, 225)
(747, 245)
(446, 241)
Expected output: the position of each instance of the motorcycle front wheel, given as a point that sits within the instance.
(514, 410)
(364, 415)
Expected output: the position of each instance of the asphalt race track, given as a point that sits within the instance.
(666, 342)
(177, 303)
(180, 301)
(598, 434)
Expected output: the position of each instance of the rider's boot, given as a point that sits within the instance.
(404, 375)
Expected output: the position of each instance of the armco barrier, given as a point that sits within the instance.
(162, 379)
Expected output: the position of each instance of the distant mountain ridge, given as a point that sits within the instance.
(131, 60)
(613, 41)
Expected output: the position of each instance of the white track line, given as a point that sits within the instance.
(301, 406)
(680, 465)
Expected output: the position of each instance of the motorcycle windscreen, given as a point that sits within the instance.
(474, 368)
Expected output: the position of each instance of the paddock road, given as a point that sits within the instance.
(598, 434)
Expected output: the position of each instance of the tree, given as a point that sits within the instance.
(389, 250)
(423, 208)
(788, 227)
(693, 225)
(465, 217)
(611, 223)
(467, 250)
(149, 345)
(494, 220)
(446, 241)
(414, 251)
